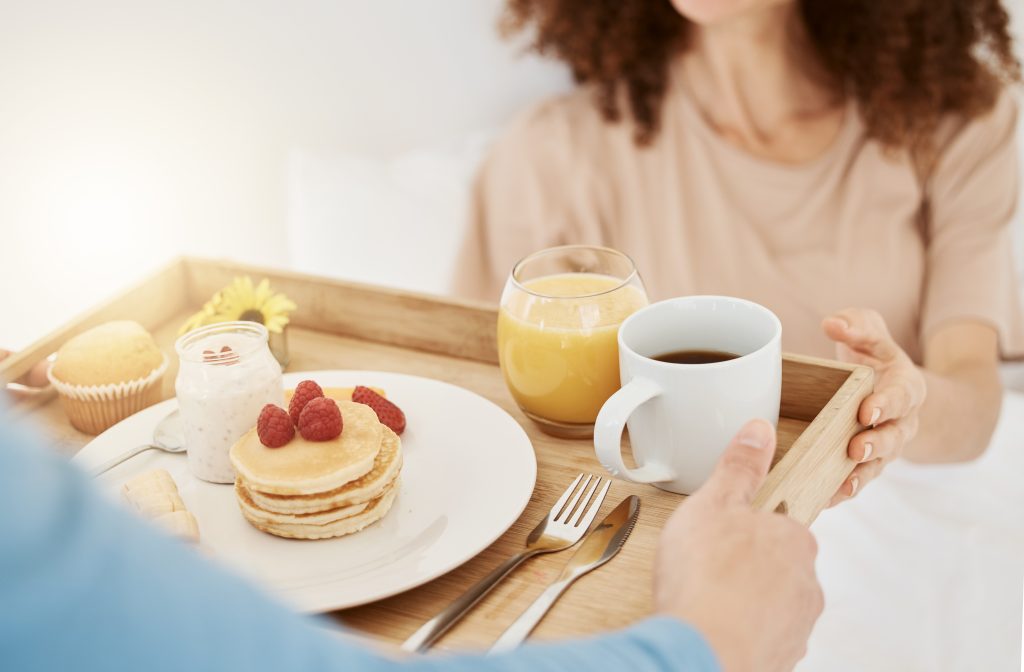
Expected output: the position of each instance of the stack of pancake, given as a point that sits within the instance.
(320, 489)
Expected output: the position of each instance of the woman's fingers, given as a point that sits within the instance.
(886, 440)
(874, 448)
(882, 405)
(862, 474)
(864, 332)
(899, 390)
(37, 375)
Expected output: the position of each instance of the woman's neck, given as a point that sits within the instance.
(756, 81)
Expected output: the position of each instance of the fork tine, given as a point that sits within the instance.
(595, 505)
(557, 508)
(584, 503)
(567, 511)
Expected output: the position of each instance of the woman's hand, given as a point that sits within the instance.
(36, 377)
(890, 412)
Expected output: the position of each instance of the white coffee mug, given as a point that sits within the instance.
(682, 416)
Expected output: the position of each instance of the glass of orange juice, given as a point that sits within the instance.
(557, 333)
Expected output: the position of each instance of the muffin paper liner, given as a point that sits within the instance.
(94, 408)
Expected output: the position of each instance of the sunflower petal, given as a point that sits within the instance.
(278, 303)
(263, 293)
(277, 324)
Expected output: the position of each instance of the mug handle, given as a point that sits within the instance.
(608, 432)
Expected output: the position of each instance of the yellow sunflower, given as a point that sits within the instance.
(241, 301)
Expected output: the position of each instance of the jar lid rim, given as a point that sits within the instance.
(253, 330)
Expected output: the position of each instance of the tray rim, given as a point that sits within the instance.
(177, 272)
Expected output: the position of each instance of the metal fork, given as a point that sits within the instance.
(564, 525)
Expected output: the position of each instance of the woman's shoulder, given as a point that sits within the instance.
(576, 108)
(962, 141)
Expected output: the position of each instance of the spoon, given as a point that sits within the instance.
(166, 437)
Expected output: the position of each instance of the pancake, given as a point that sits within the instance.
(253, 511)
(363, 489)
(374, 511)
(307, 467)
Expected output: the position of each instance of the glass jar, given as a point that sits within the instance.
(226, 375)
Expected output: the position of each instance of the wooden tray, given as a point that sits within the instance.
(342, 325)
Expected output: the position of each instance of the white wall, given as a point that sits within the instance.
(134, 131)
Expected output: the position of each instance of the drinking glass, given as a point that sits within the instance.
(557, 327)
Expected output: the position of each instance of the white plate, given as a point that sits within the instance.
(469, 472)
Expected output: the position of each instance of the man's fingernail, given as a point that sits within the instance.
(756, 434)
(868, 449)
(875, 415)
(854, 483)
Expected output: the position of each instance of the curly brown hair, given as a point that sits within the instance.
(907, 63)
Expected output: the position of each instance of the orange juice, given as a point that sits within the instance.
(559, 352)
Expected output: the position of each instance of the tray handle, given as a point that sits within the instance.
(803, 482)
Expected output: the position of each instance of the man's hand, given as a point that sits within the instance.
(744, 579)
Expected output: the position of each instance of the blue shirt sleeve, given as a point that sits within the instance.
(86, 586)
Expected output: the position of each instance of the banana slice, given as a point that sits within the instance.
(154, 495)
(153, 505)
(151, 482)
(180, 523)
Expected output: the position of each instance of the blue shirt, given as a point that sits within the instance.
(86, 586)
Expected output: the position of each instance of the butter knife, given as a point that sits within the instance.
(599, 546)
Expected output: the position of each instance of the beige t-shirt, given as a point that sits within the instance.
(701, 216)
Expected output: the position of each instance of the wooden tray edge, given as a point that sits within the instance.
(137, 303)
(439, 324)
(197, 262)
(186, 280)
(803, 482)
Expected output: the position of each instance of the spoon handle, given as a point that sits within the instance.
(114, 461)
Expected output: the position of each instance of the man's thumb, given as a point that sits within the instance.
(743, 466)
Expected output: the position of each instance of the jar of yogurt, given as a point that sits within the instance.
(226, 376)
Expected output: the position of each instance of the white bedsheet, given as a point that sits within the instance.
(925, 569)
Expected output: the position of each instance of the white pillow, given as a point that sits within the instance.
(396, 222)
(409, 85)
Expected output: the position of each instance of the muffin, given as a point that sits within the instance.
(105, 374)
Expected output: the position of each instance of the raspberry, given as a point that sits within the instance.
(305, 391)
(320, 420)
(390, 416)
(226, 357)
(274, 427)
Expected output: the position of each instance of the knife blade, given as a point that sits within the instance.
(598, 547)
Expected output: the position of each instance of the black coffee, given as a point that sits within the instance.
(695, 356)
